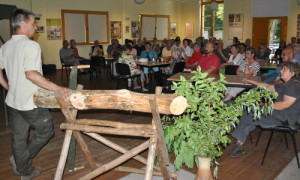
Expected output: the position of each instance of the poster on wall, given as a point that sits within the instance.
(298, 26)
(135, 29)
(53, 29)
(173, 28)
(235, 19)
(115, 29)
(189, 30)
(235, 32)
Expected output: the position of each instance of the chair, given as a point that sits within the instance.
(63, 65)
(284, 129)
(178, 67)
(231, 69)
(124, 73)
(98, 63)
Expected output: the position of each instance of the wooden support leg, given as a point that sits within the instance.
(150, 162)
(118, 148)
(85, 149)
(133, 152)
(63, 156)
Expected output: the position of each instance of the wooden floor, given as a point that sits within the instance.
(242, 168)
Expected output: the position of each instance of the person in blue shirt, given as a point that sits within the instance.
(149, 53)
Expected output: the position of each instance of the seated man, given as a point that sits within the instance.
(209, 63)
(286, 55)
(97, 49)
(73, 47)
(286, 109)
(66, 55)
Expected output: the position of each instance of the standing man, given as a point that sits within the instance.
(209, 63)
(21, 59)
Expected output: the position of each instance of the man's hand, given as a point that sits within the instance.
(65, 92)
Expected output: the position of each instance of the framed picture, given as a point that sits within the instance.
(189, 30)
(235, 19)
(40, 29)
(115, 29)
(135, 29)
(53, 29)
(173, 29)
(127, 29)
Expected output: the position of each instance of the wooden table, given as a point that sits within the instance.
(232, 80)
(265, 67)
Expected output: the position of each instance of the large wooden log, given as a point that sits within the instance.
(114, 99)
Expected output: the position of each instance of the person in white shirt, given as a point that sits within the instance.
(236, 58)
(21, 59)
(186, 50)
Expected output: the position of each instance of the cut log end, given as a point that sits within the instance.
(178, 105)
(77, 100)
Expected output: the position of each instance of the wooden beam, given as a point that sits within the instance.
(133, 152)
(106, 130)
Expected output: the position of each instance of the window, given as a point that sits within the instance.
(212, 21)
(154, 26)
(85, 26)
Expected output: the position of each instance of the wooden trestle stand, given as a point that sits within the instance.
(121, 100)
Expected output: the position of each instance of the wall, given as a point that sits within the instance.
(292, 19)
(118, 10)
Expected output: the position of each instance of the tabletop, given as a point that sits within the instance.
(232, 80)
(268, 66)
(152, 64)
(108, 57)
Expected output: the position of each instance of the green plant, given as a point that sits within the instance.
(202, 130)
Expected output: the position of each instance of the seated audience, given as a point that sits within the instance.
(163, 45)
(127, 58)
(156, 46)
(235, 41)
(296, 49)
(186, 50)
(66, 55)
(150, 54)
(248, 43)
(278, 51)
(176, 57)
(243, 49)
(82, 60)
(209, 63)
(286, 109)
(114, 49)
(166, 52)
(262, 56)
(249, 67)
(97, 49)
(176, 46)
(133, 50)
(236, 58)
(139, 47)
(221, 53)
(192, 62)
(286, 55)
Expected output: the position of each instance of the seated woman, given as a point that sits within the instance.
(262, 56)
(236, 58)
(286, 109)
(166, 52)
(127, 58)
(192, 62)
(175, 59)
(221, 53)
(186, 50)
(249, 67)
(150, 54)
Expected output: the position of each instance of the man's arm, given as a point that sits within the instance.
(36, 78)
(210, 69)
(3, 81)
(286, 103)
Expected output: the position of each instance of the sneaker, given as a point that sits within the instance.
(145, 90)
(36, 172)
(13, 164)
(236, 151)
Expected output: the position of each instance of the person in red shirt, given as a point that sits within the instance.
(210, 62)
(192, 62)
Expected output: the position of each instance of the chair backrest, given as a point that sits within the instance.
(231, 69)
(122, 69)
(178, 67)
(97, 61)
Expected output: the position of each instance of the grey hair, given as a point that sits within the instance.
(18, 16)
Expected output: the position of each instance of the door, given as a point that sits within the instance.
(261, 30)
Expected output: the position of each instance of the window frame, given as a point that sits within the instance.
(212, 16)
(86, 14)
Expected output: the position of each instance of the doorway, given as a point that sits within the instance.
(271, 30)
